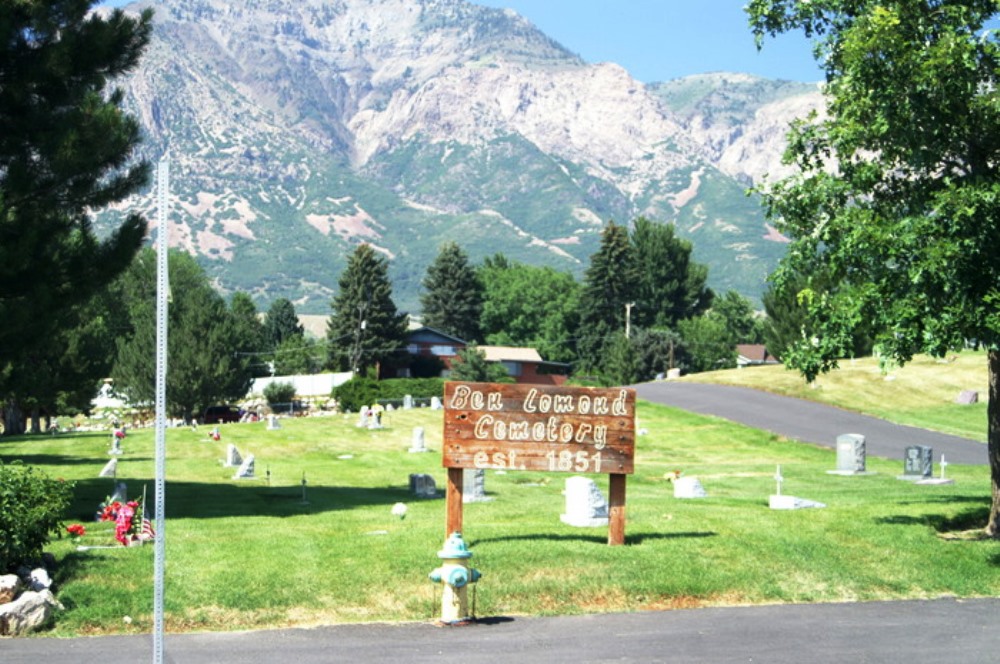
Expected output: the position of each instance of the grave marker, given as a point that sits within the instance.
(407, 401)
(585, 504)
(245, 471)
(110, 469)
(233, 458)
(689, 487)
(474, 486)
(422, 485)
(850, 455)
(417, 442)
(918, 464)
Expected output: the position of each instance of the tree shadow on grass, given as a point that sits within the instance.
(207, 500)
(44, 460)
(630, 539)
(964, 521)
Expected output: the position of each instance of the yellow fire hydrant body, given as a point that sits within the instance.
(456, 575)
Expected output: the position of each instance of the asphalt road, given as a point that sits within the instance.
(917, 632)
(808, 421)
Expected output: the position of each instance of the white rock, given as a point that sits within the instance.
(10, 585)
(29, 612)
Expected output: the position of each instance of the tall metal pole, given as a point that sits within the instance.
(162, 291)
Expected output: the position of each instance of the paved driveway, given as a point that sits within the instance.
(808, 421)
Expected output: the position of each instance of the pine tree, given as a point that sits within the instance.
(453, 296)
(249, 333)
(65, 146)
(610, 287)
(471, 365)
(364, 329)
(281, 323)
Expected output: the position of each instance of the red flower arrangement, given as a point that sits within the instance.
(127, 518)
(76, 531)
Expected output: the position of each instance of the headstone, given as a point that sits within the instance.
(233, 458)
(673, 374)
(422, 485)
(272, 422)
(407, 401)
(116, 446)
(967, 397)
(120, 494)
(436, 403)
(938, 480)
(585, 504)
(363, 416)
(110, 468)
(918, 464)
(474, 486)
(778, 501)
(850, 455)
(689, 487)
(245, 471)
(417, 443)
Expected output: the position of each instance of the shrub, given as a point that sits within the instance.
(31, 506)
(279, 393)
(397, 388)
(357, 392)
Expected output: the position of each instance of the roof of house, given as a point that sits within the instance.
(430, 335)
(756, 353)
(510, 354)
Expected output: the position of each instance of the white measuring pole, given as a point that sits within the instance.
(162, 291)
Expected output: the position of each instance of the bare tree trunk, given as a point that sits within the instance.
(13, 418)
(35, 419)
(993, 441)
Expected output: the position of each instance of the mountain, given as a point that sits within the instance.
(299, 128)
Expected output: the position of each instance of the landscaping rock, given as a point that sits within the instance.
(39, 579)
(10, 585)
(29, 612)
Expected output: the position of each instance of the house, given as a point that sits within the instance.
(432, 353)
(753, 355)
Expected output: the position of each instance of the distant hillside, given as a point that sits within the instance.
(299, 128)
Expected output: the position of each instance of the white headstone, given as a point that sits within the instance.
(363, 417)
(585, 504)
(116, 445)
(233, 458)
(474, 486)
(407, 402)
(417, 443)
(778, 501)
(688, 487)
(967, 397)
(245, 471)
(272, 422)
(110, 468)
(436, 403)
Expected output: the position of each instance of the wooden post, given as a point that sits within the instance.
(616, 509)
(453, 499)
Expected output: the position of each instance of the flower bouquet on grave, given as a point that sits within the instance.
(132, 528)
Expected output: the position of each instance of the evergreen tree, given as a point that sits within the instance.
(202, 341)
(610, 288)
(64, 150)
(671, 286)
(281, 323)
(453, 295)
(250, 333)
(364, 329)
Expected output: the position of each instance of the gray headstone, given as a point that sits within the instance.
(474, 486)
(585, 504)
(110, 468)
(272, 422)
(407, 402)
(967, 397)
(116, 445)
(233, 458)
(245, 471)
(417, 443)
(363, 417)
(918, 463)
(851, 456)
(436, 403)
(120, 493)
(422, 485)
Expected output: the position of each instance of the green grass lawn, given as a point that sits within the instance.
(248, 554)
(921, 393)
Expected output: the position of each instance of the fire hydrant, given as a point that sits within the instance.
(455, 574)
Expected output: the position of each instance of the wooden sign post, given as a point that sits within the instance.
(502, 426)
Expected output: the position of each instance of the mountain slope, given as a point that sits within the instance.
(297, 129)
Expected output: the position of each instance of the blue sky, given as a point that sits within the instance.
(656, 40)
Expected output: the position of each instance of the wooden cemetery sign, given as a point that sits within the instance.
(504, 426)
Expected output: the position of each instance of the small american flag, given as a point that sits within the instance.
(147, 532)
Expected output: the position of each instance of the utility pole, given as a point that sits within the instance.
(628, 318)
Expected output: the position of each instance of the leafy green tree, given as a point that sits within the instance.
(621, 364)
(281, 323)
(740, 318)
(671, 286)
(65, 146)
(364, 328)
(202, 339)
(471, 365)
(906, 224)
(453, 295)
(707, 343)
(298, 355)
(610, 287)
(526, 305)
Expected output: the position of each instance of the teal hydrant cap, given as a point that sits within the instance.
(454, 547)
